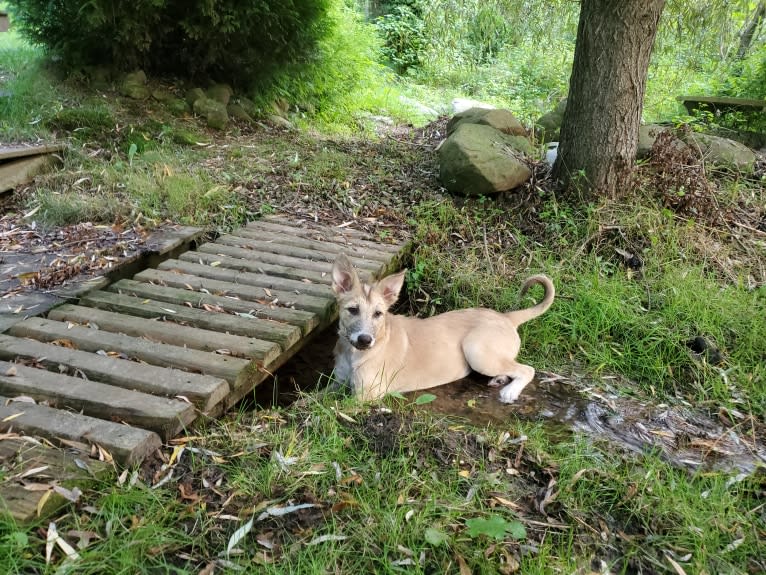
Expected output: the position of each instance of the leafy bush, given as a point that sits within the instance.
(403, 33)
(229, 39)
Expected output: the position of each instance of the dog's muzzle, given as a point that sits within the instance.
(363, 341)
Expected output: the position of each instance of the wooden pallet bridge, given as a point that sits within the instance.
(134, 364)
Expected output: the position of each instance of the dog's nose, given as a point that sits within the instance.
(364, 341)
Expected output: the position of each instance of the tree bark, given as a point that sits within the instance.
(746, 37)
(599, 132)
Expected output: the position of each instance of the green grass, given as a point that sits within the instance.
(140, 163)
(399, 489)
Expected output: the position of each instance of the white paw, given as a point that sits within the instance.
(509, 395)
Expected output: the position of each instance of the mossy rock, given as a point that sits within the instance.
(178, 107)
(548, 126)
(722, 152)
(499, 119)
(214, 111)
(195, 94)
(220, 93)
(134, 86)
(236, 110)
(478, 160)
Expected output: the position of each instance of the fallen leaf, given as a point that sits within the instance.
(325, 538)
(238, 535)
(678, 569)
(12, 417)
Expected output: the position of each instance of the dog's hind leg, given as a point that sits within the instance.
(480, 348)
(514, 380)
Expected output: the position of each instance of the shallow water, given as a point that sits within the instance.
(684, 436)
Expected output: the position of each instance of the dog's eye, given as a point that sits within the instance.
(353, 310)
(377, 314)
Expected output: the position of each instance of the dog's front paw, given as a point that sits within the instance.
(499, 380)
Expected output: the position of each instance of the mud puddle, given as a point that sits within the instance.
(684, 436)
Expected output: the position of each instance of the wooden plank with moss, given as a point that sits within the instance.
(362, 262)
(203, 390)
(167, 332)
(164, 416)
(305, 321)
(235, 257)
(323, 307)
(295, 241)
(55, 467)
(126, 444)
(87, 339)
(271, 283)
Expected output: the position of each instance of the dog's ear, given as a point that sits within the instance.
(344, 278)
(390, 286)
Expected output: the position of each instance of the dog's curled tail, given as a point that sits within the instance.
(520, 316)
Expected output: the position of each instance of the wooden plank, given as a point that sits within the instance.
(288, 261)
(9, 152)
(306, 223)
(271, 283)
(257, 233)
(336, 235)
(165, 416)
(162, 354)
(721, 103)
(202, 390)
(245, 259)
(128, 445)
(359, 261)
(22, 171)
(304, 320)
(321, 306)
(54, 465)
(167, 332)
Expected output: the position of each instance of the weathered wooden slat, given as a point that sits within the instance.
(282, 334)
(128, 445)
(268, 282)
(335, 235)
(246, 260)
(292, 240)
(321, 306)
(345, 229)
(165, 416)
(203, 390)
(288, 261)
(8, 152)
(22, 171)
(162, 354)
(360, 261)
(53, 465)
(304, 320)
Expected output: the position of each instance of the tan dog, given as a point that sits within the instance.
(379, 352)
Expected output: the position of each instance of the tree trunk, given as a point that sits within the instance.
(746, 37)
(599, 132)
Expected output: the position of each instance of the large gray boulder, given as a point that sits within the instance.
(478, 160)
(647, 135)
(499, 119)
(548, 126)
(722, 152)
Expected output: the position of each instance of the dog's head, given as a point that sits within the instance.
(362, 306)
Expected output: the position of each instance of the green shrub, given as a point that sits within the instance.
(403, 33)
(228, 39)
